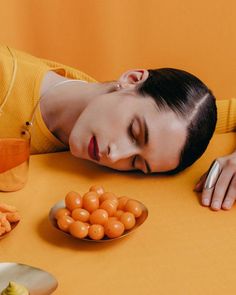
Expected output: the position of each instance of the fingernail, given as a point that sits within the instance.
(216, 204)
(206, 202)
(227, 204)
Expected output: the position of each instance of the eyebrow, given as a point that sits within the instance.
(146, 133)
(146, 139)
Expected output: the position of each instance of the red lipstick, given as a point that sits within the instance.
(93, 149)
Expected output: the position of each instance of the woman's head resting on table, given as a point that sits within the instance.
(149, 120)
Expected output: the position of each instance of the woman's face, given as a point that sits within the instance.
(126, 131)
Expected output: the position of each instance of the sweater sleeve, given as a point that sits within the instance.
(226, 115)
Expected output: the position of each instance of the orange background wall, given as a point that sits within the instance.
(106, 37)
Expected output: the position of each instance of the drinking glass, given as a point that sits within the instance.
(14, 162)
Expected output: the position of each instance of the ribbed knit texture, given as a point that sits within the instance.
(25, 95)
(226, 112)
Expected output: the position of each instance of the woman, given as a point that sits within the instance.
(148, 120)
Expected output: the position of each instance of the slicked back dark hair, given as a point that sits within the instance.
(190, 99)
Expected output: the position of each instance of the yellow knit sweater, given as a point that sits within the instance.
(24, 95)
(226, 113)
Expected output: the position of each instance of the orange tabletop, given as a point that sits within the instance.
(182, 248)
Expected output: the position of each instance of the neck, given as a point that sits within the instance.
(62, 104)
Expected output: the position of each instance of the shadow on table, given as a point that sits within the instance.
(53, 236)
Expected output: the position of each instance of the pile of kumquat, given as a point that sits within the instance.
(97, 214)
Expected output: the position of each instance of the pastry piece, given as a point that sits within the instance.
(7, 208)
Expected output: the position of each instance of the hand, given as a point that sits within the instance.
(223, 193)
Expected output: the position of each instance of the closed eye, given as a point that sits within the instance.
(130, 131)
(134, 130)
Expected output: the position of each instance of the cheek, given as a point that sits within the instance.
(83, 128)
(97, 115)
(107, 119)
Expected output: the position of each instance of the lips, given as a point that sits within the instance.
(93, 149)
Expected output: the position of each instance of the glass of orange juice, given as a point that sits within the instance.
(14, 163)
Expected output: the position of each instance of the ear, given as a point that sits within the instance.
(132, 78)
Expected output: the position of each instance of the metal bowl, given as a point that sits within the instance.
(61, 204)
(37, 281)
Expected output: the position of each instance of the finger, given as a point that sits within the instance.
(221, 187)
(231, 195)
(199, 186)
(206, 192)
(206, 196)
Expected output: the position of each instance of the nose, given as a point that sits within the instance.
(120, 152)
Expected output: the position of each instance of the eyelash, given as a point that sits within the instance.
(132, 137)
(133, 159)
